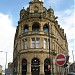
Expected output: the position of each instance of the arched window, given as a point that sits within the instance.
(26, 28)
(46, 28)
(24, 66)
(36, 26)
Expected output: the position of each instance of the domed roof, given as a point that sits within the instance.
(22, 11)
(50, 10)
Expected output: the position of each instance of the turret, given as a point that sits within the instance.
(51, 12)
(23, 13)
(35, 0)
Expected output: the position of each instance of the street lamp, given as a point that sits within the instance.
(53, 53)
(49, 43)
(6, 59)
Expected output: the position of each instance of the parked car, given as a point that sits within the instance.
(71, 73)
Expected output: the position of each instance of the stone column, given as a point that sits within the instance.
(30, 27)
(41, 28)
(42, 67)
(28, 69)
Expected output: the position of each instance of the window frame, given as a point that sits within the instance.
(35, 27)
(35, 43)
(46, 43)
(26, 28)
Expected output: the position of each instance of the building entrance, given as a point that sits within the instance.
(47, 67)
(35, 66)
(24, 66)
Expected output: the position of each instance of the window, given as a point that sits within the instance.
(46, 43)
(35, 27)
(35, 43)
(26, 28)
(25, 44)
(46, 28)
(36, 11)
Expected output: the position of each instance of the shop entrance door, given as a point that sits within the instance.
(47, 67)
(35, 66)
(24, 66)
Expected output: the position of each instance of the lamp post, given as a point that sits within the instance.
(6, 59)
(49, 43)
(53, 53)
(73, 56)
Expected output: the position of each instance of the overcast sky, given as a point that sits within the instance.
(9, 16)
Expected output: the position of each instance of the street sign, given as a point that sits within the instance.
(60, 59)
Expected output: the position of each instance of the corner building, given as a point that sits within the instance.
(38, 39)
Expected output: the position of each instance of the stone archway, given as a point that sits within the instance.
(35, 66)
(47, 66)
(24, 66)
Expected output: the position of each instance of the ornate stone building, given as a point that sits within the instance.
(38, 39)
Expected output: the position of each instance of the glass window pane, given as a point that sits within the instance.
(45, 28)
(32, 45)
(37, 40)
(33, 39)
(44, 46)
(45, 40)
(25, 30)
(37, 45)
(45, 43)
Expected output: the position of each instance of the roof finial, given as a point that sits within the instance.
(23, 7)
(50, 6)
